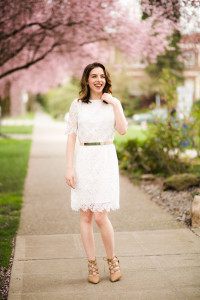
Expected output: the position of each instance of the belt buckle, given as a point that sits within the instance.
(95, 143)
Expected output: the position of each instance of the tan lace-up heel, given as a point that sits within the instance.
(93, 273)
(114, 267)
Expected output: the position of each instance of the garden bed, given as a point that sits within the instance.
(177, 203)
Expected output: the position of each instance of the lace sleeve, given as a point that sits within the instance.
(121, 108)
(72, 122)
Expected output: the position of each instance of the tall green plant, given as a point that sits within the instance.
(160, 154)
(171, 132)
(195, 126)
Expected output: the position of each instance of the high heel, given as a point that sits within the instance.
(93, 273)
(114, 267)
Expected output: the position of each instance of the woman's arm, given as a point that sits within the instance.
(121, 124)
(70, 147)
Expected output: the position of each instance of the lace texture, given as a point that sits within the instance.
(95, 166)
(72, 123)
(93, 121)
(97, 178)
(100, 207)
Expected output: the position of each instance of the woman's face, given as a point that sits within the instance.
(97, 80)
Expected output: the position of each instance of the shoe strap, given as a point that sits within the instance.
(113, 264)
(92, 267)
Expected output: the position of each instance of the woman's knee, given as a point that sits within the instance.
(86, 216)
(100, 217)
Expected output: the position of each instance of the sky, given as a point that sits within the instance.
(193, 25)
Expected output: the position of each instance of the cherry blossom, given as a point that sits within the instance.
(41, 41)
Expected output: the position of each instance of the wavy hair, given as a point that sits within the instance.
(84, 92)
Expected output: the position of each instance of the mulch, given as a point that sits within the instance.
(177, 203)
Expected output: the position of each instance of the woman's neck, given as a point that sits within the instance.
(94, 95)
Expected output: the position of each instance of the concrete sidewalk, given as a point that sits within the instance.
(159, 257)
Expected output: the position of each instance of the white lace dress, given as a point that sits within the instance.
(96, 166)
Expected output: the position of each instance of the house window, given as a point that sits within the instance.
(189, 59)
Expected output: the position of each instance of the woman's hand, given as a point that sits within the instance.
(108, 98)
(70, 177)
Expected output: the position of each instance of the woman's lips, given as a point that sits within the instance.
(98, 86)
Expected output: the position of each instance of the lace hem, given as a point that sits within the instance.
(95, 206)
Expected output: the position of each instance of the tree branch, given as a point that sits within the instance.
(14, 53)
(43, 26)
(27, 65)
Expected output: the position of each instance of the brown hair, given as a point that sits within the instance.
(85, 89)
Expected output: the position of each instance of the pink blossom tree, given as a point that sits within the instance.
(42, 40)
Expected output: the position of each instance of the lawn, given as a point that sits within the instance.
(14, 156)
(134, 132)
(6, 129)
(28, 115)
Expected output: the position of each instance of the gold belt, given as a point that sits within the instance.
(96, 143)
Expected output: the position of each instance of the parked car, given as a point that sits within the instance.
(151, 116)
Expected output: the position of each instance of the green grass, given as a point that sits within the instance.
(14, 155)
(133, 132)
(16, 129)
(136, 132)
(27, 115)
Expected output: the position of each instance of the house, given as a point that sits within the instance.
(190, 91)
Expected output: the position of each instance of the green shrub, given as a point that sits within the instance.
(160, 153)
(129, 154)
(149, 157)
(158, 159)
(57, 101)
(194, 126)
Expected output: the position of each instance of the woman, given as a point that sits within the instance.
(93, 173)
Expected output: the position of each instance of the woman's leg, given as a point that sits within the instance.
(107, 232)
(87, 235)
